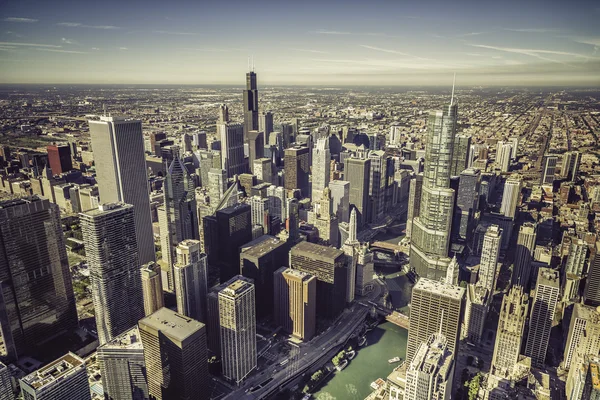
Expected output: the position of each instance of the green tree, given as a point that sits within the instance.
(316, 376)
(473, 386)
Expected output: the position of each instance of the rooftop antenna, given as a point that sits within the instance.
(252, 63)
(453, 82)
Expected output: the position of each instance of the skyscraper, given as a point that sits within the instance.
(277, 202)
(489, 258)
(340, 195)
(504, 155)
(430, 373)
(329, 266)
(265, 124)
(295, 301)
(263, 169)
(175, 355)
(217, 185)
(152, 288)
(429, 300)
(296, 160)
(591, 294)
(191, 280)
(122, 367)
(584, 335)
(6, 385)
(234, 229)
(542, 314)
(232, 144)
(256, 147)
(476, 311)
(548, 169)
(250, 103)
(260, 212)
(524, 254)
(59, 159)
(238, 329)
(64, 378)
(511, 196)
(111, 250)
(377, 183)
(467, 204)
(414, 201)
(509, 335)
(430, 231)
(460, 155)
(357, 171)
(570, 165)
(320, 167)
(35, 281)
(121, 173)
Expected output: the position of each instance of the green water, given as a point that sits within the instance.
(384, 342)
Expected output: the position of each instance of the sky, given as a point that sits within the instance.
(375, 42)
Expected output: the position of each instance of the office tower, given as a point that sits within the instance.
(155, 138)
(256, 147)
(509, 336)
(584, 335)
(265, 124)
(503, 156)
(260, 212)
(476, 310)
(59, 159)
(152, 288)
(574, 268)
(297, 164)
(232, 144)
(452, 272)
(238, 328)
(514, 142)
(357, 171)
(591, 389)
(175, 355)
(548, 169)
(522, 263)
(191, 280)
(179, 219)
(591, 294)
(217, 185)
(263, 169)
(325, 222)
(429, 300)
(121, 173)
(277, 202)
(430, 231)
(111, 250)
(377, 183)
(460, 155)
(511, 196)
(64, 378)
(123, 368)
(542, 314)
(489, 258)
(570, 165)
(414, 201)
(259, 262)
(6, 386)
(329, 266)
(36, 292)
(293, 219)
(430, 373)
(250, 103)
(320, 166)
(295, 302)
(467, 204)
(340, 196)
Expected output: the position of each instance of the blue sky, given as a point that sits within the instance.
(302, 42)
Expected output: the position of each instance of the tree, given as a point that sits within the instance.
(473, 386)
(316, 376)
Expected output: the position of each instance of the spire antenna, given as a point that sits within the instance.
(453, 82)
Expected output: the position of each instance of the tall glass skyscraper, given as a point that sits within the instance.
(36, 292)
(250, 104)
(430, 232)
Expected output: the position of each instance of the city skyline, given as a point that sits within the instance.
(321, 44)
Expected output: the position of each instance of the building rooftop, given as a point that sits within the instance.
(237, 286)
(263, 247)
(301, 275)
(316, 251)
(107, 208)
(548, 277)
(66, 365)
(128, 340)
(441, 288)
(172, 324)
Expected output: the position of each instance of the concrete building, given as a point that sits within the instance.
(152, 288)
(591, 294)
(570, 165)
(175, 344)
(542, 314)
(64, 378)
(260, 212)
(548, 169)
(414, 201)
(232, 144)
(111, 250)
(429, 300)
(191, 280)
(321, 159)
(59, 159)
(511, 196)
(121, 173)
(523, 255)
(263, 169)
(489, 258)
(584, 335)
(265, 124)
(237, 320)
(340, 195)
(357, 171)
(297, 167)
(6, 384)
(504, 155)
(460, 155)
(509, 335)
(476, 311)
(36, 289)
(277, 202)
(295, 300)
(123, 368)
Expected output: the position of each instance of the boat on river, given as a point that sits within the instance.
(394, 360)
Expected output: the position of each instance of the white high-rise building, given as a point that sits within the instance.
(504, 155)
(489, 258)
(340, 197)
(277, 202)
(64, 378)
(321, 159)
(217, 185)
(191, 280)
(510, 196)
(120, 161)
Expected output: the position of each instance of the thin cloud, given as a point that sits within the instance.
(68, 41)
(311, 51)
(324, 32)
(532, 52)
(174, 33)
(11, 33)
(471, 34)
(29, 44)
(123, 48)
(592, 41)
(531, 30)
(383, 50)
(18, 19)
(80, 25)
(208, 49)
(62, 51)
(95, 48)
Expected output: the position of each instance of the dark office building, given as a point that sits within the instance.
(250, 104)
(328, 264)
(259, 262)
(467, 203)
(357, 171)
(591, 295)
(59, 158)
(296, 160)
(156, 137)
